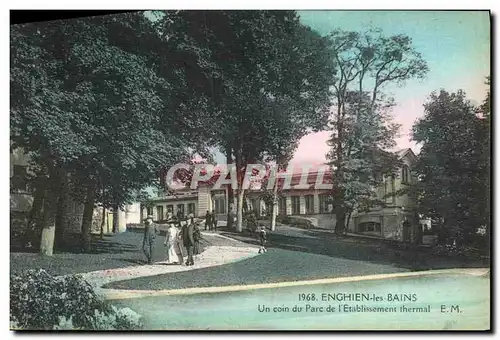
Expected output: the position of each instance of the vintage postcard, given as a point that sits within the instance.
(250, 170)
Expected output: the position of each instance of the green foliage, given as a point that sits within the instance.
(39, 301)
(362, 126)
(454, 165)
(250, 220)
(294, 221)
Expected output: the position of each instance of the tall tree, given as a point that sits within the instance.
(453, 167)
(86, 105)
(261, 55)
(361, 128)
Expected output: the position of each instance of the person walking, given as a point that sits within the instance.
(196, 238)
(150, 231)
(174, 255)
(208, 220)
(262, 232)
(188, 241)
(214, 220)
(179, 246)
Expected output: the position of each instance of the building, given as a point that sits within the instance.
(21, 200)
(396, 219)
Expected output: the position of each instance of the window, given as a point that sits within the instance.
(268, 209)
(256, 206)
(159, 213)
(150, 211)
(295, 205)
(370, 227)
(389, 189)
(191, 208)
(282, 206)
(19, 180)
(180, 209)
(309, 204)
(220, 205)
(170, 208)
(323, 204)
(405, 174)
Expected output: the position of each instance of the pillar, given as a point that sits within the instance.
(122, 223)
(302, 207)
(316, 203)
(288, 205)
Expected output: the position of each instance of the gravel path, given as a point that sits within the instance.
(212, 256)
(114, 251)
(277, 265)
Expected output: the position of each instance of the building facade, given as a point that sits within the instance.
(396, 219)
(21, 200)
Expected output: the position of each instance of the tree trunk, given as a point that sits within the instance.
(241, 194)
(230, 193)
(103, 221)
(108, 227)
(48, 231)
(340, 216)
(115, 219)
(49, 217)
(348, 220)
(88, 212)
(62, 209)
(246, 208)
(274, 212)
(35, 220)
(340, 213)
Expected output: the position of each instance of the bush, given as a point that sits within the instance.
(283, 219)
(40, 301)
(294, 221)
(250, 221)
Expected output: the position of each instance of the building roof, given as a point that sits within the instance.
(311, 178)
(296, 176)
(403, 152)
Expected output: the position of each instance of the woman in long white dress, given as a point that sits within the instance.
(174, 254)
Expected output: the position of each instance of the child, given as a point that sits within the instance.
(262, 238)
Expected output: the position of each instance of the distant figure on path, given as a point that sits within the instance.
(214, 220)
(196, 237)
(150, 231)
(208, 221)
(174, 254)
(262, 232)
(188, 241)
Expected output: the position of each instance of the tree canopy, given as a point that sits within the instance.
(453, 167)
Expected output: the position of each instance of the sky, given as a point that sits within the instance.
(455, 44)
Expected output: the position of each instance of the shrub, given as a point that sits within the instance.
(299, 222)
(40, 301)
(283, 219)
(250, 221)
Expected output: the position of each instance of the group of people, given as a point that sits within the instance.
(182, 240)
(210, 221)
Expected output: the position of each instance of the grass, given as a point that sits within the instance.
(113, 251)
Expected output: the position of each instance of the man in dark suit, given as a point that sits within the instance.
(188, 240)
(150, 231)
(208, 221)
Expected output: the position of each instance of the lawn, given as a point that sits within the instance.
(113, 251)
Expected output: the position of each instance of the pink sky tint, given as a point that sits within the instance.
(312, 148)
(455, 44)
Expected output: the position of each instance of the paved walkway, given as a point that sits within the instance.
(212, 256)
